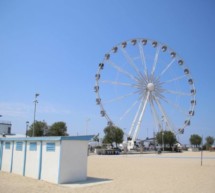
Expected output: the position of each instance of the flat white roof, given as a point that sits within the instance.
(51, 138)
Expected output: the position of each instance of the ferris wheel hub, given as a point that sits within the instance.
(150, 86)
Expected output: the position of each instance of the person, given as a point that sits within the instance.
(159, 150)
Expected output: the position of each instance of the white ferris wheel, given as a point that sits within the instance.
(142, 83)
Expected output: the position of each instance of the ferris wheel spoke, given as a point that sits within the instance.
(155, 60)
(175, 79)
(143, 59)
(118, 98)
(117, 83)
(177, 92)
(176, 106)
(166, 68)
(128, 110)
(164, 116)
(119, 69)
(155, 116)
(130, 61)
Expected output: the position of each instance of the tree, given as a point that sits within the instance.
(57, 129)
(39, 128)
(209, 141)
(195, 140)
(166, 138)
(113, 134)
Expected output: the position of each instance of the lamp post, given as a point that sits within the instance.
(35, 106)
(163, 139)
(162, 132)
(0, 115)
(27, 123)
(87, 121)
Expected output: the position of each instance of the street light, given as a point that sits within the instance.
(35, 106)
(87, 121)
(27, 123)
(0, 115)
(163, 139)
(162, 131)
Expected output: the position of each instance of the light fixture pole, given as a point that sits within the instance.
(87, 121)
(162, 132)
(35, 107)
(27, 123)
(163, 139)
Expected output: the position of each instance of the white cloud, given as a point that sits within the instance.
(22, 110)
(51, 109)
(14, 109)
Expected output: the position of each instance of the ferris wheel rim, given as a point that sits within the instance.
(156, 43)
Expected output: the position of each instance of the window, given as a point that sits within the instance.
(33, 146)
(9, 130)
(7, 145)
(19, 146)
(50, 146)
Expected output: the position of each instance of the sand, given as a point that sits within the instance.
(146, 173)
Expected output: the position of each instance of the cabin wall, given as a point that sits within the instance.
(6, 156)
(50, 161)
(73, 161)
(53, 159)
(32, 164)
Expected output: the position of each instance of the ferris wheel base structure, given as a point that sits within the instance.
(145, 81)
(130, 145)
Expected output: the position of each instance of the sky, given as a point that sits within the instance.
(53, 48)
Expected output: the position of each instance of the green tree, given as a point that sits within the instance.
(57, 129)
(113, 135)
(39, 128)
(209, 141)
(166, 138)
(195, 140)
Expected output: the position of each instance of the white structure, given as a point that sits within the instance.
(143, 80)
(53, 159)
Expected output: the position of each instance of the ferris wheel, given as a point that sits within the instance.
(144, 83)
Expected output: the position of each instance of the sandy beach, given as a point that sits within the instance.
(148, 173)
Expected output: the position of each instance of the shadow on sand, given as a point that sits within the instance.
(90, 181)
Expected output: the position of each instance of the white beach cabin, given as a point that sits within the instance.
(53, 159)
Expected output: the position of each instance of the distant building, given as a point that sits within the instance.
(5, 127)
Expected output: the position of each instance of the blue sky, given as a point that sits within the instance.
(54, 48)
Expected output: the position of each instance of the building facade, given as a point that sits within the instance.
(5, 127)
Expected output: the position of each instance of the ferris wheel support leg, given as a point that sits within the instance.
(141, 117)
(135, 120)
(166, 119)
